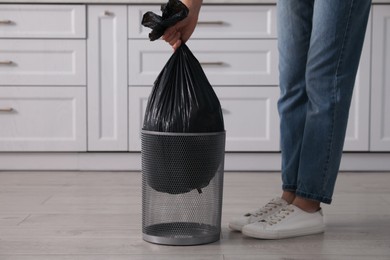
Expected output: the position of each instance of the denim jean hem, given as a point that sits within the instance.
(289, 187)
(306, 195)
(315, 197)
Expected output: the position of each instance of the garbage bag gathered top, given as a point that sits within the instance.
(172, 12)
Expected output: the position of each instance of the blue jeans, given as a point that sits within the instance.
(320, 43)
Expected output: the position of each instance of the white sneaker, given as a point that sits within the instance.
(270, 208)
(290, 221)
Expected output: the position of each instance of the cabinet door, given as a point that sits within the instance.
(107, 78)
(250, 115)
(380, 80)
(251, 118)
(357, 136)
(42, 119)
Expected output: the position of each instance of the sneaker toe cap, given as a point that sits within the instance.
(238, 223)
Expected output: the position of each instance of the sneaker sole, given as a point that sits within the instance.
(284, 234)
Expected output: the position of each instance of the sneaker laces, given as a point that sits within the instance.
(278, 216)
(264, 210)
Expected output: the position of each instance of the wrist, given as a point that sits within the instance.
(193, 5)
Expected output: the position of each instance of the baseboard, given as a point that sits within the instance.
(118, 161)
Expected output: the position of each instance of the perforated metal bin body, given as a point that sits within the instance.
(182, 186)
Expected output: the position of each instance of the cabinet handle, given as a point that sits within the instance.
(5, 21)
(6, 62)
(217, 63)
(7, 109)
(108, 13)
(211, 22)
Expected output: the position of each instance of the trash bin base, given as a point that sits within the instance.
(189, 233)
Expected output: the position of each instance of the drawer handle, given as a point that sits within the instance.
(5, 22)
(108, 13)
(6, 62)
(211, 23)
(7, 109)
(217, 63)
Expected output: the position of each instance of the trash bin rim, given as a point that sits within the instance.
(182, 134)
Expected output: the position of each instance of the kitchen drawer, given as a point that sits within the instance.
(225, 62)
(250, 115)
(42, 119)
(218, 21)
(42, 62)
(42, 21)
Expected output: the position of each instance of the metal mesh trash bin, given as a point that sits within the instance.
(182, 185)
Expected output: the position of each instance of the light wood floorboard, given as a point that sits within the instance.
(97, 216)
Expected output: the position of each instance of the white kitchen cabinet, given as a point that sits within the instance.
(76, 78)
(42, 119)
(250, 116)
(107, 78)
(225, 62)
(42, 21)
(358, 129)
(380, 80)
(239, 59)
(42, 78)
(42, 62)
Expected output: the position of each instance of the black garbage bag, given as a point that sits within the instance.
(182, 101)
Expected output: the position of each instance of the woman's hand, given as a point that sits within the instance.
(183, 30)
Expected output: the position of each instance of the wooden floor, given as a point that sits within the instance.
(97, 216)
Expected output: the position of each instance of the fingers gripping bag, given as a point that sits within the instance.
(183, 134)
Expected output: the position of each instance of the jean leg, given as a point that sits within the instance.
(294, 30)
(333, 59)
